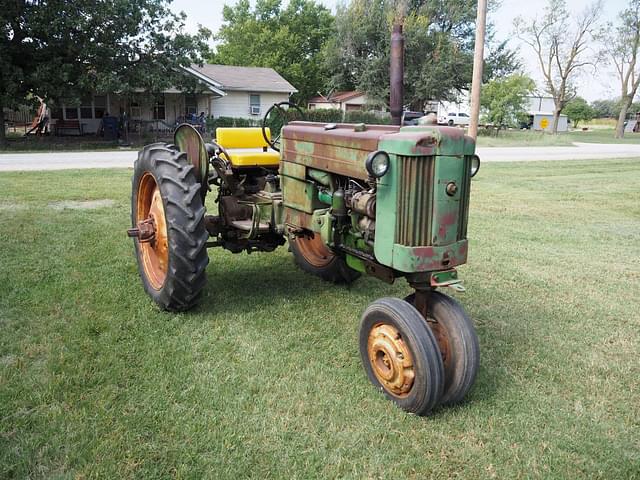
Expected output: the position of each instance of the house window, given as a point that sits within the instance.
(136, 112)
(158, 108)
(86, 108)
(191, 105)
(100, 105)
(71, 113)
(254, 104)
(56, 113)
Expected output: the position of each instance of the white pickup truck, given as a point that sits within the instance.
(453, 118)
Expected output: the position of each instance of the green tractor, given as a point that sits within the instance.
(386, 201)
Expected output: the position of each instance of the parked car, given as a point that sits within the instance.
(454, 118)
(411, 118)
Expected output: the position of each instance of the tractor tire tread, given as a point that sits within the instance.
(186, 232)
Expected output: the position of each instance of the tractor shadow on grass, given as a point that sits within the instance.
(247, 286)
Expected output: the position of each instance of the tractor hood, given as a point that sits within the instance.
(342, 148)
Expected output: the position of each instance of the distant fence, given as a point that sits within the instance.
(19, 118)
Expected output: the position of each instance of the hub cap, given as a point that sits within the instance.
(390, 359)
(154, 253)
(314, 250)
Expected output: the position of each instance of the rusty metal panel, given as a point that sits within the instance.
(293, 170)
(341, 149)
(429, 259)
(299, 194)
(297, 219)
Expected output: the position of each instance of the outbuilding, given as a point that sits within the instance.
(543, 122)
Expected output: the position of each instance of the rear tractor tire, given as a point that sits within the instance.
(401, 355)
(314, 257)
(167, 215)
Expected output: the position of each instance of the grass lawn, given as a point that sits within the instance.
(524, 138)
(264, 379)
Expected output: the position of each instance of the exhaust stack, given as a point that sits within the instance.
(397, 75)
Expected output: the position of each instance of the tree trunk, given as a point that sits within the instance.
(3, 136)
(556, 119)
(622, 117)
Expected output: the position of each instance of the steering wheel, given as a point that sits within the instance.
(278, 115)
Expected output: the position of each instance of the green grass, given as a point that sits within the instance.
(604, 135)
(264, 379)
(524, 138)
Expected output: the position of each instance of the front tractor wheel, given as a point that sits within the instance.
(401, 355)
(313, 256)
(167, 215)
(458, 343)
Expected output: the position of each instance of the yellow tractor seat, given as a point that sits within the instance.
(247, 147)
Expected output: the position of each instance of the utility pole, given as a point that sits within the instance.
(478, 60)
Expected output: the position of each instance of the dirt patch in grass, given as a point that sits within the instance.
(12, 207)
(82, 205)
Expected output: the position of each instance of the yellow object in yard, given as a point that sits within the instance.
(249, 140)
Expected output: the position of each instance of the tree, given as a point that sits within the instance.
(288, 40)
(605, 108)
(504, 99)
(439, 40)
(562, 46)
(578, 110)
(52, 48)
(621, 44)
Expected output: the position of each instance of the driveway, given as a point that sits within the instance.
(125, 159)
(580, 151)
(66, 160)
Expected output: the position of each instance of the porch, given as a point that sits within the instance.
(144, 113)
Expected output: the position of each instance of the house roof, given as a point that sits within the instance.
(250, 79)
(336, 97)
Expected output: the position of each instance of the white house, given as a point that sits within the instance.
(244, 91)
(225, 90)
(345, 101)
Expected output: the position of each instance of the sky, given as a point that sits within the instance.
(592, 85)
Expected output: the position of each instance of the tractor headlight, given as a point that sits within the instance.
(377, 163)
(475, 165)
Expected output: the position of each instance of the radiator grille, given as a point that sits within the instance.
(415, 191)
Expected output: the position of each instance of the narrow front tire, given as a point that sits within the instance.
(401, 356)
(458, 343)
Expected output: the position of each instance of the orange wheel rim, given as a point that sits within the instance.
(390, 359)
(314, 250)
(154, 254)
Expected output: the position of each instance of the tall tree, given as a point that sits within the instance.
(439, 41)
(288, 40)
(58, 49)
(561, 43)
(505, 99)
(622, 44)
